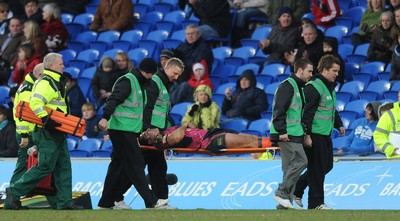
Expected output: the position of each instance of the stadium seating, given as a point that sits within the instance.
(375, 90)
(137, 55)
(337, 32)
(68, 55)
(220, 53)
(360, 54)
(85, 148)
(270, 91)
(240, 56)
(104, 151)
(84, 19)
(353, 88)
(224, 40)
(128, 40)
(85, 59)
(172, 21)
(236, 124)
(357, 106)
(153, 43)
(241, 69)
(4, 90)
(221, 89)
(82, 40)
(178, 111)
(259, 34)
(104, 40)
(67, 18)
(74, 71)
(273, 70)
(177, 38)
(71, 143)
(259, 128)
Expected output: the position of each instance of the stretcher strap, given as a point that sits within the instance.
(77, 126)
(20, 110)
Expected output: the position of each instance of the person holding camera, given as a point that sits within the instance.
(204, 113)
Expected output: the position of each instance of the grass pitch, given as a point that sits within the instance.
(200, 215)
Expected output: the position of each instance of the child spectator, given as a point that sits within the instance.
(330, 46)
(103, 80)
(92, 119)
(27, 60)
(204, 113)
(75, 97)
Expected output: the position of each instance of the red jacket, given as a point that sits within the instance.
(56, 34)
(203, 80)
(19, 74)
(325, 12)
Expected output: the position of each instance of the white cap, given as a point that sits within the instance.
(198, 66)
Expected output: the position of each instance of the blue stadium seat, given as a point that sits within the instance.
(236, 124)
(347, 117)
(240, 56)
(172, 21)
(150, 3)
(388, 67)
(137, 55)
(68, 55)
(373, 68)
(112, 53)
(349, 69)
(82, 40)
(375, 90)
(88, 73)
(91, 8)
(354, 14)
(84, 19)
(177, 38)
(395, 86)
(384, 75)
(105, 149)
(164, 7)
(340, 142)
(259, 34)
(270, 90)
(273, 70)
(85, 148)
(266, 115)
(4, 90)
(224, 71)
(227, 39)
(74, 71)
(218, 98)
(153, 43)
(85, 59)
(140, 10)
(360, 54)
(221, 89)
(241, 69)
(391, 95)
(151, 18)
(216, 81)
(221, 53)
(178, 111)
(259, 127)
(337, 32)
(67, 18)
(71, 143)
(73, 30)
(129, 39)
(352, 87)
(340, 104)
(104, 40)
(344, 50)
(357, 106)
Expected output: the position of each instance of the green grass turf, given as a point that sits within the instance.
(197, 215)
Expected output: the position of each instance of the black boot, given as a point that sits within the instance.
(13, 203)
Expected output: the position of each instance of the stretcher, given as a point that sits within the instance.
(221, 152)
(69, 124)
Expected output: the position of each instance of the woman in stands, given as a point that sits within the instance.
(54, 29)
(33, 35)
(27, 60)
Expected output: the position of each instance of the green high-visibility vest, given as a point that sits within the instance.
(128, 116)
(325, 114)
(161, 107)
(294, 112)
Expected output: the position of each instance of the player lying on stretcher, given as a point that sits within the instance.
(212, 140)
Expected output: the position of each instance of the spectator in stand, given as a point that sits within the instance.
(395, 68)
(283, 37)
(54, 29)
(75, 98)
(360, 140)
(330, 46)
(310, 47)
(103, 80)
(214, 15)
(3, 18)
(369, 21)
(75, 7)
(8, 142)
(194, 49)
(5, 72)
(396, 26)
(28, 58)
(204, 113)
(16, 8)
(124, 64)
(381, 42)
(247, 101)
(325, 12)
(92, 119)
(33, 35)
(393, 4)
(299, 8)
(246, 9)
(32, 11)
(113, 15)
(165, 55)
(184, 91)
(11, 41)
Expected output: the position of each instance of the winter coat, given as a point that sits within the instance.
(299, 8)
(205, 116)
(118, 16)
(281, 40)
(369, 21)
(395, 69)
(19, 74)
(8, 142)
(76, 99)
(205, 79)
(103, 80)
(325, 12)
(56, 35)
(379, 48)
(335, 49)
(247, 103)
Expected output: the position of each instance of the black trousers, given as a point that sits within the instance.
(125, 169)
(320, 162)
(157, 168)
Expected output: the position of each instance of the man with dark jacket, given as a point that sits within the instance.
(319, 119)
(194, 49)
(287, 131)
(247, 101)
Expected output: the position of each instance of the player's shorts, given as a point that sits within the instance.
(214, 140)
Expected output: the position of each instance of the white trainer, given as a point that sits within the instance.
(323, 207)
(161, 202)
(284, 202)
(121, 205)
(298, 201)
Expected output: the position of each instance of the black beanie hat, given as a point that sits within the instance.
(148, 65)
(284, 10)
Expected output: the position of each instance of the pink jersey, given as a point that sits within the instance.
(196, 134)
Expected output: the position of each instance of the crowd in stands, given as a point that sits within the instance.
(218, 86)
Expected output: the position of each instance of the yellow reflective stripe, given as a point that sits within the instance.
(39, 110)
(40, 97)
(123, 114)
(382, 130)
